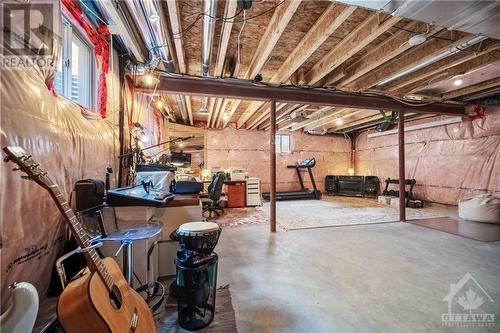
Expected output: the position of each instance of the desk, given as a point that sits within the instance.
(184, 208)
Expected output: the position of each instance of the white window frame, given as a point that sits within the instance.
(280, 145)
(71, 28)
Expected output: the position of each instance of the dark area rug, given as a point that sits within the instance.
(485, 232)
(224, 319)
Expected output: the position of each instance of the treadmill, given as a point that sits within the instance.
(304, 193)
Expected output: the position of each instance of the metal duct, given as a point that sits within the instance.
(207, 39)
(148, 16)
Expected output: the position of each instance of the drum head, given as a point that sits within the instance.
(198, 228)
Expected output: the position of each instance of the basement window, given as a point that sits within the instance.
(75, 75)
(283, 144)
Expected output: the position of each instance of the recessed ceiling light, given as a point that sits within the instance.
(159, 104)
(458, 80)
(339, 122)
(154, 17)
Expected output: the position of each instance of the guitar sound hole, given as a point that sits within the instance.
(115, 298)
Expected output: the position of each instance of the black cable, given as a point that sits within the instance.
(225, 19)
(433, 36)
(329, 88)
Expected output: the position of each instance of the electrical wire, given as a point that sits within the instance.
(238, 59)
(328, 88)
(230, 19)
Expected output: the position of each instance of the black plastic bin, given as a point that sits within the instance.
(196, 288)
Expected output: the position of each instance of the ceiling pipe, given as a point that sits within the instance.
(207, 40)
(148, 16)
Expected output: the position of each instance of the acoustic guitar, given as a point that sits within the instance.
(101, 299)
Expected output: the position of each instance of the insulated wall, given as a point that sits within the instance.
(70, 143)
(249, 150)
(448, 162)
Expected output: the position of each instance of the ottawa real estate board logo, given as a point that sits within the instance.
(469, 305)
(27, 38)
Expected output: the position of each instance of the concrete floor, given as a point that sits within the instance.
(371, 278)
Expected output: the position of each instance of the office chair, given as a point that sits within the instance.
(211, 204)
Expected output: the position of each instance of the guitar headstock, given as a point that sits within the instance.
(26, 164)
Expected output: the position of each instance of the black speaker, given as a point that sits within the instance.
(371, 186)
(331, 185)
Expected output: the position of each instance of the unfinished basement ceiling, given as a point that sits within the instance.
(325, 43)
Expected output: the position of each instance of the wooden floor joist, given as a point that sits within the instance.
(363, 35)
(406, 61)
(227, 26)
(328, 23)
(492, 83)
(281, 16)
(175, 23)
(385, 52)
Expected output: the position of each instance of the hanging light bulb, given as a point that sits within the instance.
(458, 80)
(144, 138)
(225, 116)
(339, 122)
(149, 79)
(159, 104)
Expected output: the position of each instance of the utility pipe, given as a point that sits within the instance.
(401, 156)
(272, 167)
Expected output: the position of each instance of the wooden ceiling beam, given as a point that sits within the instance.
(315, 117)
(281, 117)
(418, 55)
(447, 74)
(406, 83)
(280, 19)
(364, 34)
(345, 119)
(259, 119)
(363, 120)
(331, 19)
(338, 114)
(227, 27)
(386, 51)
(176, 27)
(293, 95)
(495, 82)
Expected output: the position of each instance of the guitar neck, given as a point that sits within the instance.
(82, 238)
